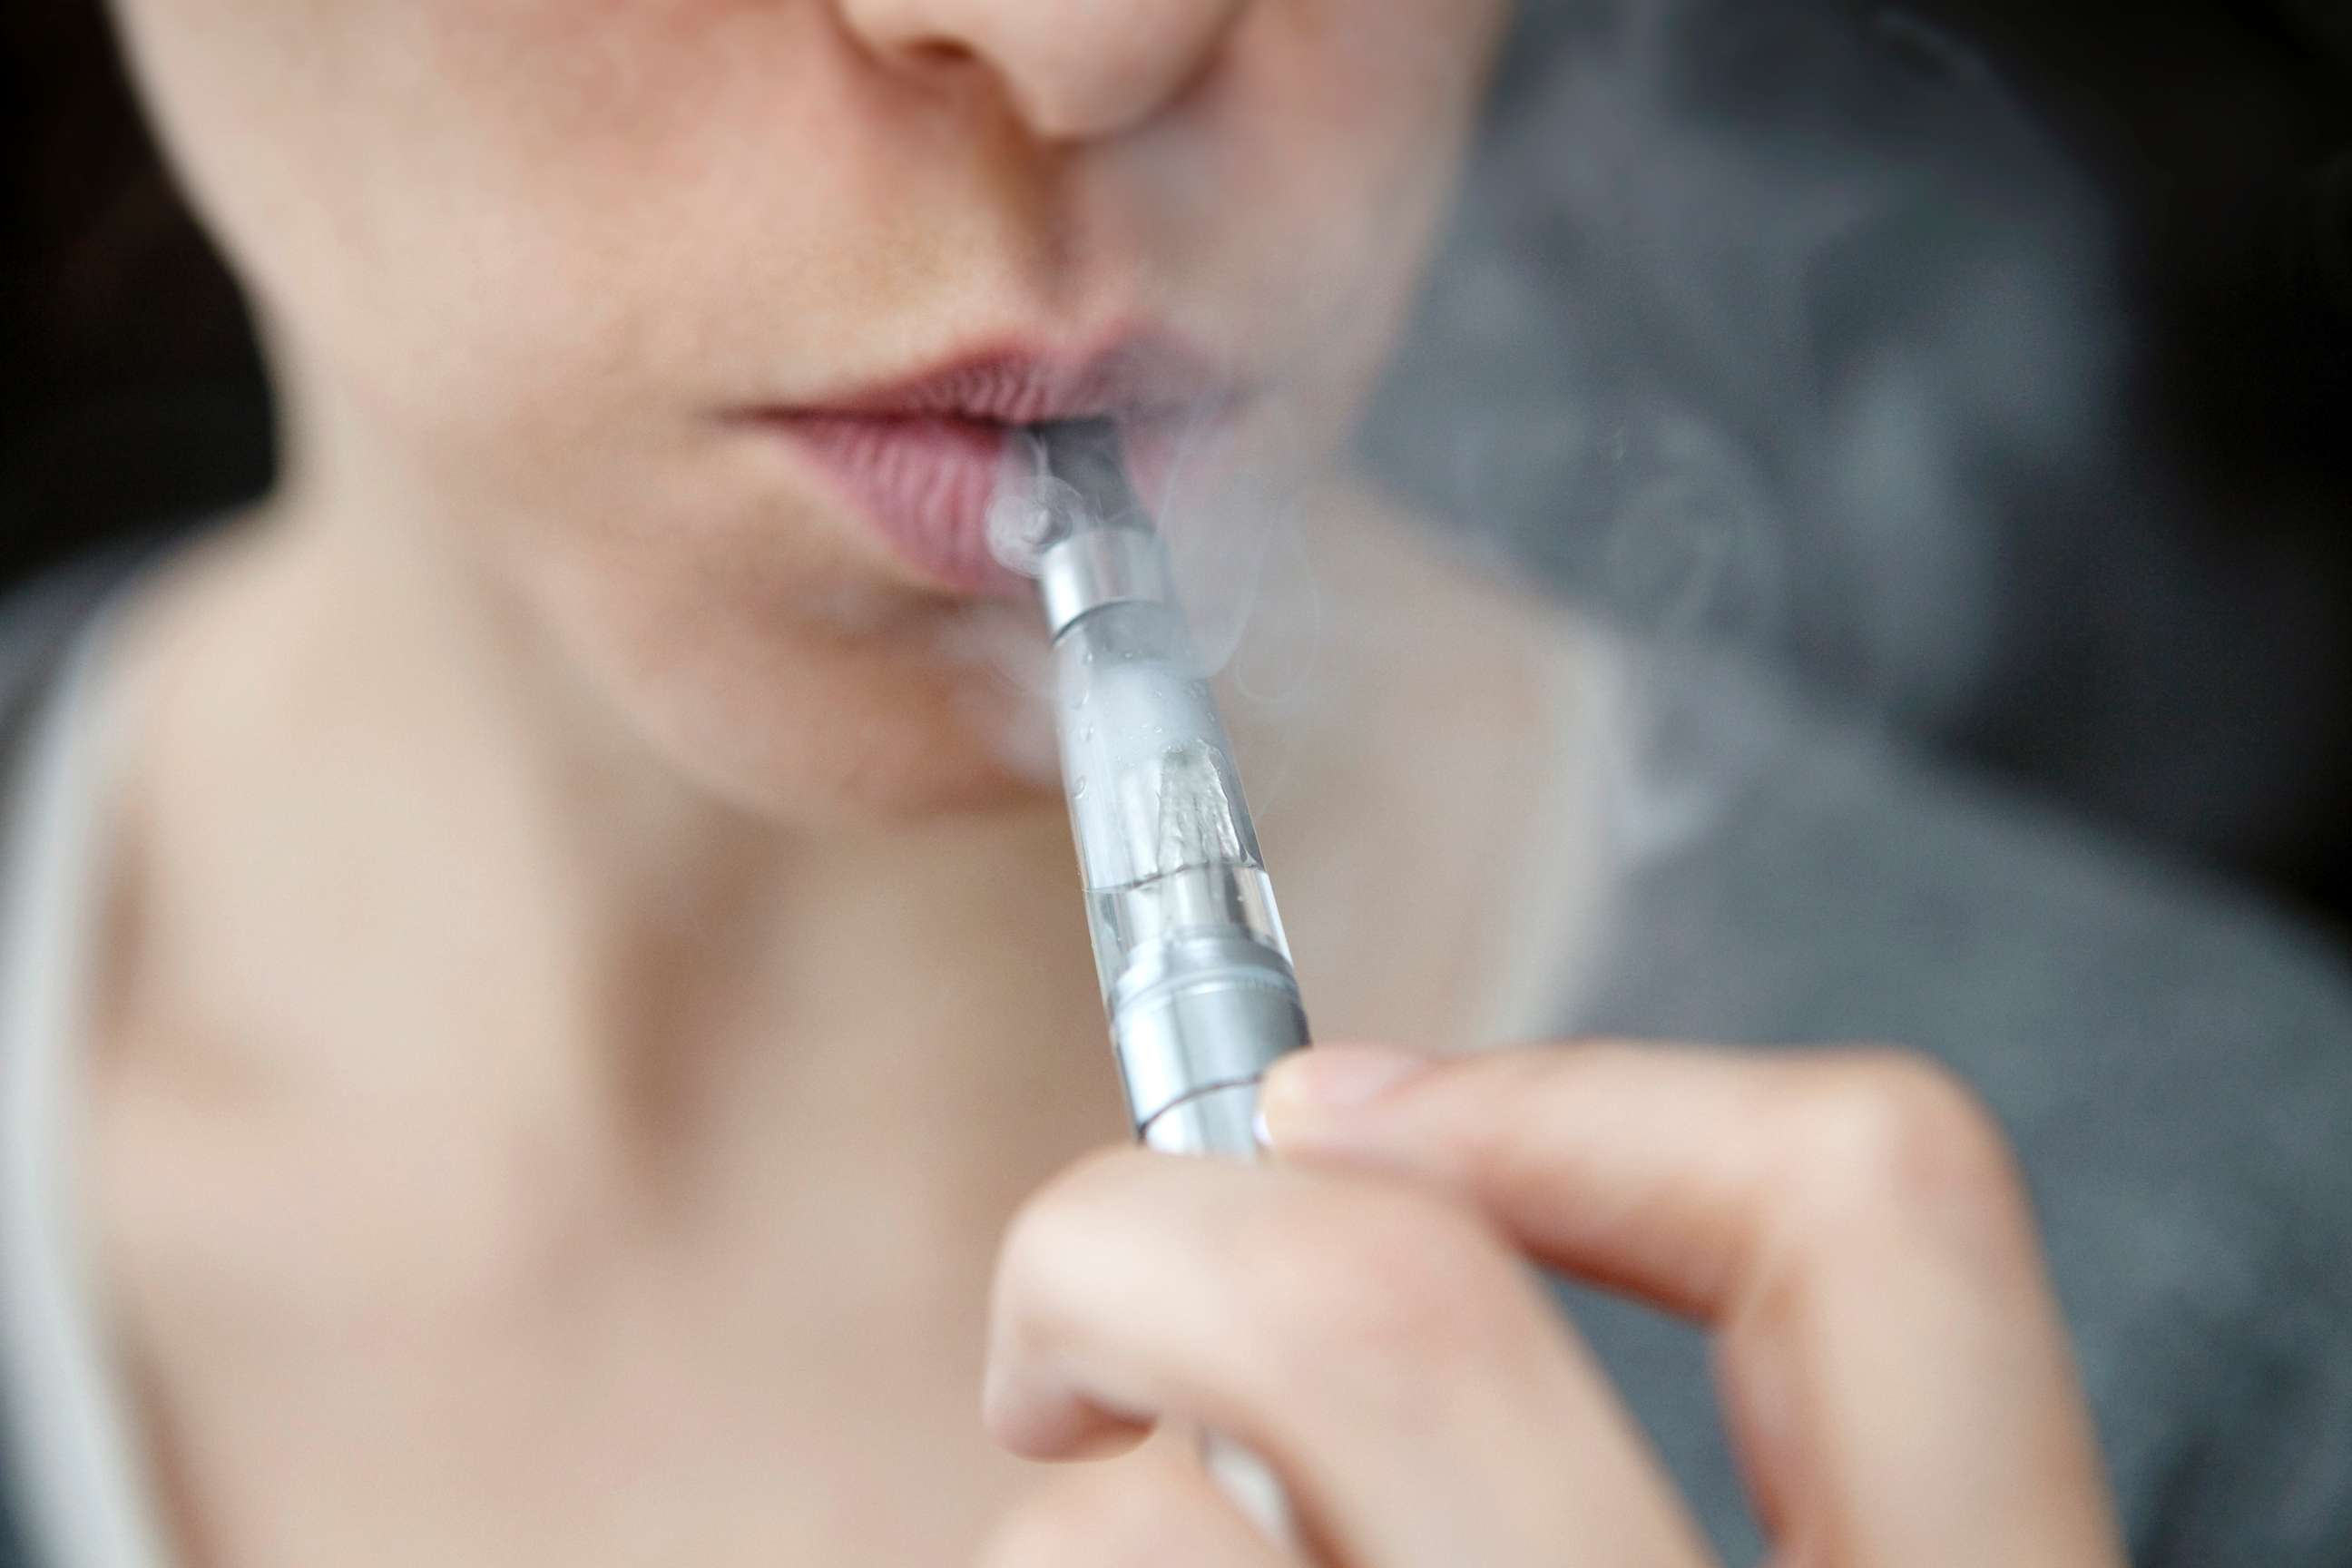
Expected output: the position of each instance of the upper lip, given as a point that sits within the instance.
(1136, 375)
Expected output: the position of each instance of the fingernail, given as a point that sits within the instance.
(1334, 1078)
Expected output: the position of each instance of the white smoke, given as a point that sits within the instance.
(1759, 318)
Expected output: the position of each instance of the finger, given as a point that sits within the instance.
(1391, 1358)
(1155, 1509)
(1897, 1373)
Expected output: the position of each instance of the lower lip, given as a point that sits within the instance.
(926, 482)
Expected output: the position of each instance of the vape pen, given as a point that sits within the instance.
(1196, 973)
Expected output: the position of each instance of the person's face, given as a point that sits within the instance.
(588, 273)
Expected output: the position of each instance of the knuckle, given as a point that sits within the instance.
(1515, 1154)
(1893, 1133)
(1390, 1279)
(1064, 1211)
(1043, 1244)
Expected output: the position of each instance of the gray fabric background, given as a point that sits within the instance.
(2173, 1061)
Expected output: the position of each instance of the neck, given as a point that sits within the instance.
(448, 866)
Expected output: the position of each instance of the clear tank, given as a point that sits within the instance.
(1163, 833)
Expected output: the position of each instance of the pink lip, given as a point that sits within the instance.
(921, 457)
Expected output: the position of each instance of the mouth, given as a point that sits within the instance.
(919, 458)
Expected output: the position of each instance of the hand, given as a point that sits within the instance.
(1851, 1226)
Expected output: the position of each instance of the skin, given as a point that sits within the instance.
(590, 966)
(1849, 1225)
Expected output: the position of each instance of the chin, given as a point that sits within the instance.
(849, 705)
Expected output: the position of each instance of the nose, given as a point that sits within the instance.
(1073, 69)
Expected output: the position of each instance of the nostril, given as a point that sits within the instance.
(935, 54)
(906, 35)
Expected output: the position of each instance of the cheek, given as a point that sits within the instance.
(1349, 120)
(491, 214)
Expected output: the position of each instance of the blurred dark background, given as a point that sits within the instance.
(132, 392)
(1985, 359)
(1983, 362)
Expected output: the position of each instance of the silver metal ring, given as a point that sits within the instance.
(1100, 567)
